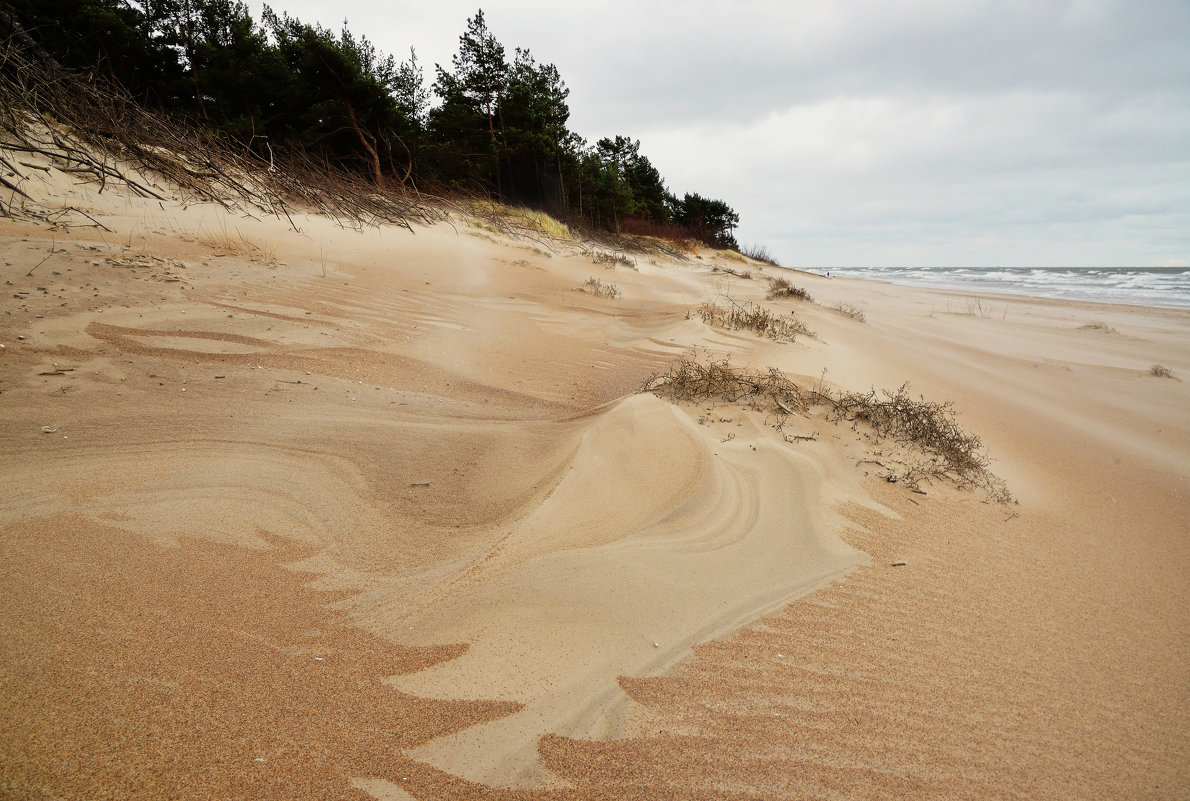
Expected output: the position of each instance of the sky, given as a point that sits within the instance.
(872, 132)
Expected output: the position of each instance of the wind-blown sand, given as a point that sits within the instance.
(343, 514)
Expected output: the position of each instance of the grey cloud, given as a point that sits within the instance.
(1037, 131)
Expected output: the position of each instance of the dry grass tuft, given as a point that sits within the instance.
(610, 259)
(847, 310)
(944, 449)
(1161, 371)
(781, 288)
(235, 244)
(593, 286)
(547, 225)
(1098, 326)
(977, 307)
(755, 318)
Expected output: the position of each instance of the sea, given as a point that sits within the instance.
(1137, 286)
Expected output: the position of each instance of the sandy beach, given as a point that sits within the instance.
(351, 514)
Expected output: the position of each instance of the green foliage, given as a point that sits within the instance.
(116, 42)
(497, 128)
(534, 132)
(713, 221)
(480, 72)
(339, 95)
(409, 91)
(230, 63)
(467, 128)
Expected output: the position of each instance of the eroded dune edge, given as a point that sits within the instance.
(347, 514)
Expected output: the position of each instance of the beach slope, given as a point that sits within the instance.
(304, 511)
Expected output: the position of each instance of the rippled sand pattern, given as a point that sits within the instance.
(393, 521)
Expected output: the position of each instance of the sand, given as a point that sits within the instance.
(339, 513)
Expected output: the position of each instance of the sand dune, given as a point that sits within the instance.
(616, 572)
(342, 514)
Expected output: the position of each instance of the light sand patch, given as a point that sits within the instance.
(456, 439)
(193, 344)
(657, 536)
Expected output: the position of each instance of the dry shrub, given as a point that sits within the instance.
(1098, 326)
(1161, 371)
(847, 310)
(593, 286)
(628, 242)
(691, 381)
(746, 274)
(755, 318)
(610, 259)
(977, 307)
(759, 253)
(781, 288)
(680, 235)
(944, 449)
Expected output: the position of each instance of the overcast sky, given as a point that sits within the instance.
(891, 132)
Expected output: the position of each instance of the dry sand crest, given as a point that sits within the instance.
(332, 513)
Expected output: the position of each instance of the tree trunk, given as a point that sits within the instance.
(562, 183)
(495, 145)
(202, 107)
(363, 139)
(189, 29)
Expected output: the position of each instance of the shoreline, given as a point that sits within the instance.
(997, 292)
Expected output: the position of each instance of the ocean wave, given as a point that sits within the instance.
(1145, 286)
